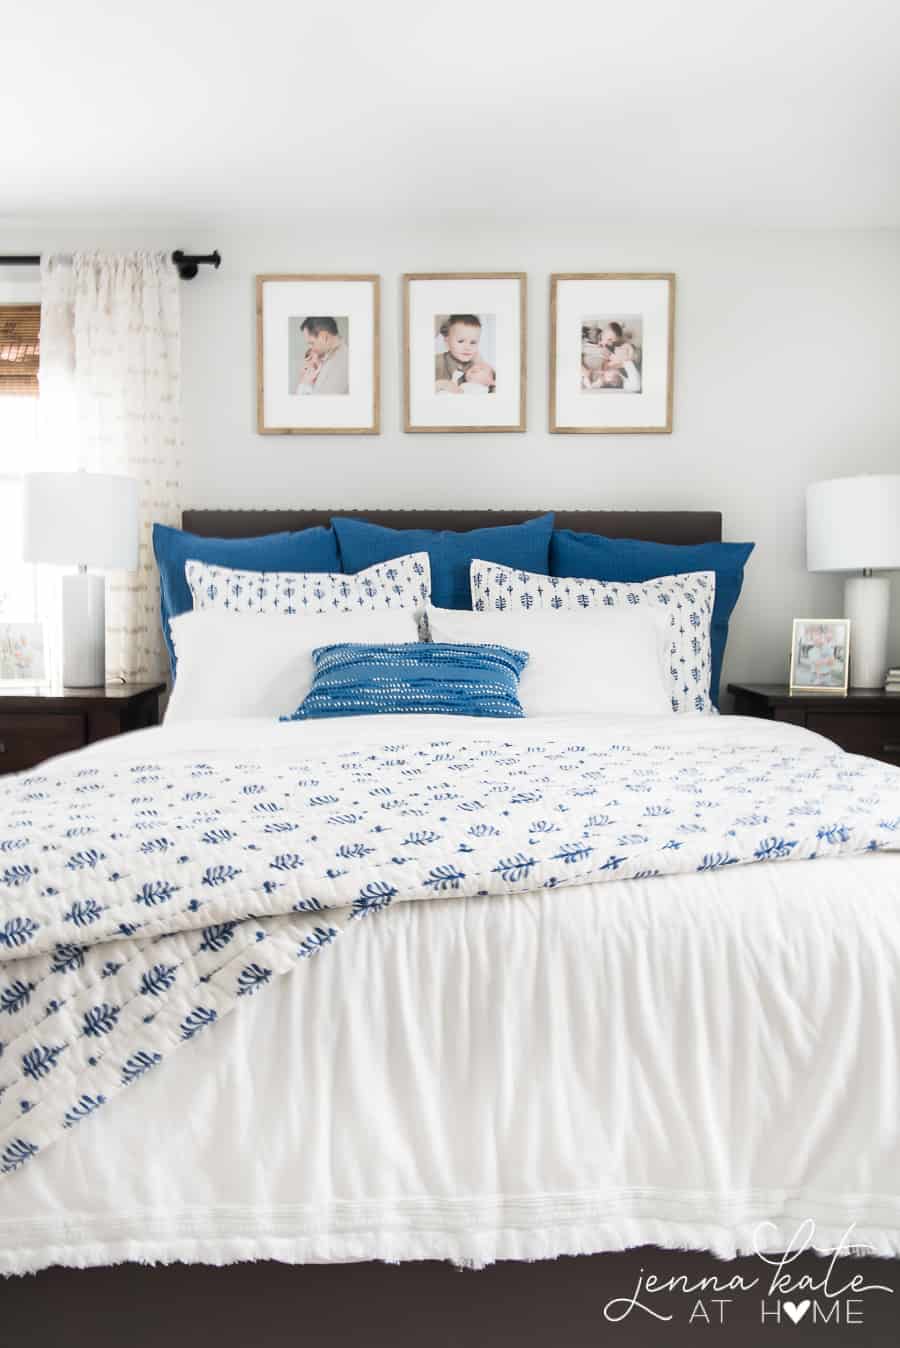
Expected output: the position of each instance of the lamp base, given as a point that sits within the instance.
(84, 630)
(867, 601)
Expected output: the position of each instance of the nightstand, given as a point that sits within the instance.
(36, 723)
(863, 721)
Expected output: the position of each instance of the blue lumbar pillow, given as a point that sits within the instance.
(594, 557)
(448, 678)
(308, 550)
(524, 547)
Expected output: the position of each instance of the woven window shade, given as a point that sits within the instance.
(20, 326)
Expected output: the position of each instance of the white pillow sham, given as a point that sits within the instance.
(614, 665)
(402, 583)
(239, 664)
(686, 601)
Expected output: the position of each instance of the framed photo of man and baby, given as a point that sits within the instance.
(317, 355)
(464, 351)
(611, 353)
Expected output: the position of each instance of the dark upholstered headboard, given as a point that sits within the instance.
(655, 526)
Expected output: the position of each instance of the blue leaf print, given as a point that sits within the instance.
(66, 958)
(572, 852)
(39, 1061)
(312, 944)
(309, 906)
(197, 1020)
(83, 912)
(444, 877)
(252, 978)
(16, 1154)
(18, 875)
(17, 931)
(372, 898)
(16, 996)
(154, 892)
(217, 936)
(612, 863)
(87, 860)
(217, 835)
(13, 844)
(515, 868)
(287, 861)
(356, 851)
(772, 849)
(714, 861)
(284, 827)
(139, 1063)
(837, 833)
(157, 980)
(100, 1020)
(219, 875)
(84, 1105)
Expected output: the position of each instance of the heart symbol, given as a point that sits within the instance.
(794, 1311)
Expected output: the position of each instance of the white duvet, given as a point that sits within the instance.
(695, 1059)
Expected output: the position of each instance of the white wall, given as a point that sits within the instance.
(787, 348)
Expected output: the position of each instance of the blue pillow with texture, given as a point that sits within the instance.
(594, 557)
(525, 547)
(307, 550)
(449, 678)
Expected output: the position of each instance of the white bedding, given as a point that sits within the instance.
(672, 1060)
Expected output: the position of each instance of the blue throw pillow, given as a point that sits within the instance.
(449, 678)
(309, 550)
(525, 547)
(594, 557)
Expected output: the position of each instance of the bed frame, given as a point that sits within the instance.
(549, 1304)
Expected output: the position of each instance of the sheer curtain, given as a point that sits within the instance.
(110, 401)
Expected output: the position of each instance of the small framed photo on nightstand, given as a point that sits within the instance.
(22, 658)
(820, 655)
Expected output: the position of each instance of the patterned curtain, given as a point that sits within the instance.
(110, 402)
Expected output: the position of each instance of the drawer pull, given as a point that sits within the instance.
(2, 746)
(885, 749)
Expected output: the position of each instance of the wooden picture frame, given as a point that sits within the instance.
(350, 368)
(833, 635)
(496, 302)
(619, 396)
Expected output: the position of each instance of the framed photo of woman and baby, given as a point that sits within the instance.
(611, 353)
(464, 351)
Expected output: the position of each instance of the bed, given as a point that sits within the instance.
(542, 1078)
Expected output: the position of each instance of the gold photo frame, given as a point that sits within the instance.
(464, 333)
(612, 353)
(318, 354)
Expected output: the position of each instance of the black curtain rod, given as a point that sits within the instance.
(188, 264)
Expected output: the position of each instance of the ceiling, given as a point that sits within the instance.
(624, 112)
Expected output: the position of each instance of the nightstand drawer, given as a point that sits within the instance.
(877, 736)
(27, 739)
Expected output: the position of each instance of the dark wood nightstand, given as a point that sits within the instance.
(36, 723)
(863, 721)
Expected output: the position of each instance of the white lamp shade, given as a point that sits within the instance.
(853, 523)
(82, 519)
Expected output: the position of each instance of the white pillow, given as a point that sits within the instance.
(238, 664)
(686, 601)
(613, 665)
(403, 583)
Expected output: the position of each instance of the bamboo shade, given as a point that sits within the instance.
(20, 326)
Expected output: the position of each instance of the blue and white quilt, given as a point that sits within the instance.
(142, 900)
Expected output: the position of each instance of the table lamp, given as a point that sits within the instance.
(82, 519)
(853, 524)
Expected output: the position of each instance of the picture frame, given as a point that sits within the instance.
(612, 353)
(23, 657)
(464, 351)
(820, 655)
(318, 358)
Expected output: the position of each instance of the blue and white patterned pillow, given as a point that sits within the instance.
(449, 678)
(403, 583)
(688, 601)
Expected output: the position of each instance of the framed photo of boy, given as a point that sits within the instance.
(820, 655)
(464, 351)
(317, 355)
(611, 353)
